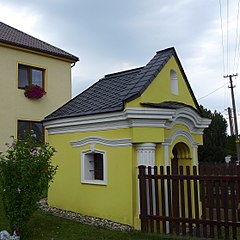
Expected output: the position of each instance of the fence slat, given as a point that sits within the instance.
(175, 199)
(143, 198)
(193, 201)
(150, 194)
(182, 193)
(196, 200)
(225, 204)
(232, 199)
(203, 200)
(157, 198)
(189, 197)
(169, 192)
(218, 208)
(209, 195)
(163, 194)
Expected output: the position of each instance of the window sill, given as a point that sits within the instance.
(95, 182)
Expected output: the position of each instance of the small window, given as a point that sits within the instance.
(27, 127)
(174, 82)
(30, 76)
(93, 167)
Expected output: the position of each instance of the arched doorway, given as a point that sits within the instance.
(181, 156)
(180, 153)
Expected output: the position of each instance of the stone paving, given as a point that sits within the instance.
(94, 221)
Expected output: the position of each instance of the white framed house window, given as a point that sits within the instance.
(94, 167)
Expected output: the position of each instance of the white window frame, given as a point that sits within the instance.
(85, 166)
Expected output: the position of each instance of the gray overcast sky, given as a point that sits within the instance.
(110, 36)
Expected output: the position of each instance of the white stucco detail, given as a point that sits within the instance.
(195, 155)
(121, 142)
(181, 133)
(130, 117)
(146, 154)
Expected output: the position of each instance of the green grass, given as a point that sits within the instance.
(44, 226)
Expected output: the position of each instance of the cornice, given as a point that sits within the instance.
(103, 141)
(130, 117)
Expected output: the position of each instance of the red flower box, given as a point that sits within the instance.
(34, 92)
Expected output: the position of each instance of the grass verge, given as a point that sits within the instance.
(44, 226)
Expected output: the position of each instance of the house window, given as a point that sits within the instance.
(30, 76)
(28, 127)
(174, 82)
(93, 167)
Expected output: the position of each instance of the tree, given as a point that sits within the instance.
(25, 172)
(214, 138)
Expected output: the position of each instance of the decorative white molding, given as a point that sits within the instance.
(85, 175)
(195, 155)
(166, 155)
(103, 141)
(188, 117)
(146, 154)
(146, 157)
(130, 117)
(182, 133)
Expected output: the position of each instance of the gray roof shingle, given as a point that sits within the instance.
(111, 92)
(12, 36)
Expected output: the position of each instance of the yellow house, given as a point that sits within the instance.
(27, 61)
(144, 116)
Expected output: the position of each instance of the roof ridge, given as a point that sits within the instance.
(123, 72)
(152, 65)
(166, 50)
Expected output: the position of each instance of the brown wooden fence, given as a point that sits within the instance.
(200, 201)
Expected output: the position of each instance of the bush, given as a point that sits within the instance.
(25, 171)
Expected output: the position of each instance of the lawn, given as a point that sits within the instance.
(44, 226)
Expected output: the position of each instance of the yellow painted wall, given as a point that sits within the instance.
(147, 134)
(160, 90)
(113, 201)
(14, 105)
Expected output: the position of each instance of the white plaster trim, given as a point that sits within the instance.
(146, 154)
(130, 117)
(188, 117)
(166, 155)
(92, 181)
(103, 141)
(182, 133)
(146, 146)
(195, 155)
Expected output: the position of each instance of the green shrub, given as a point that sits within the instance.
(25, 171)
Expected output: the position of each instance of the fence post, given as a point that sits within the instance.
(143, 198)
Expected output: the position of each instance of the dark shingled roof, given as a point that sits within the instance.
(12, 36)
(111, 92)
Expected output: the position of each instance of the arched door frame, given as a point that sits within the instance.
(168, 145)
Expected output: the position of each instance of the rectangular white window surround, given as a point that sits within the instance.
(94, 167)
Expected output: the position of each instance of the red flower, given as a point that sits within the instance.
(34, 92)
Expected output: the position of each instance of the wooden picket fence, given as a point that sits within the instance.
(200, 201)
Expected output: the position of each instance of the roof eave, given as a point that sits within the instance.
(72, 58)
